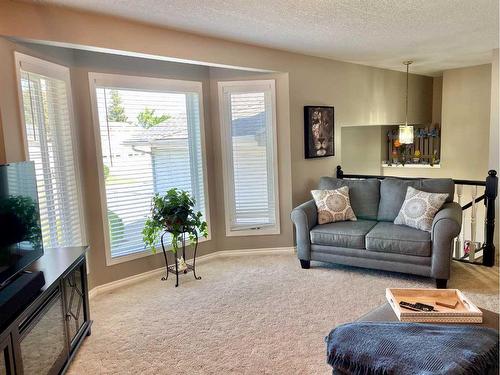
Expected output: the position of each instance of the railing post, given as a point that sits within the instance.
(340, 173)
(491, 192)
(472, 243)
(458, 241)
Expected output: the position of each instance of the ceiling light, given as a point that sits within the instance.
(405, 130)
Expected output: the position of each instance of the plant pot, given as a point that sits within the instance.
(416, 160)
(169, 228)
(180, 220)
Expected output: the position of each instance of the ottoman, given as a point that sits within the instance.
(365, 348)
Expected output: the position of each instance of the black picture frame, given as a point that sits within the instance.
(319, 130)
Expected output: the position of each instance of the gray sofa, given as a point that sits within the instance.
(374, 241)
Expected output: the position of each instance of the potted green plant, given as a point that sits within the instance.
(173, 212)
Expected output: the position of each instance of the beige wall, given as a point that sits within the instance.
(466, 122)
(362, 149)
(361, 95)
(9, 118)
(437, 99)
(465, 126)
(494, 159)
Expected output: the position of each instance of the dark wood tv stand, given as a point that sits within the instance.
(44, 336)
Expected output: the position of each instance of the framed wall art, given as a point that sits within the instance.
(318, 131)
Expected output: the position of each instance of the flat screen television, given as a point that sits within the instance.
(20, 230)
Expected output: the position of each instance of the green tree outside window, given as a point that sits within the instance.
(116, 111)
(147, 119)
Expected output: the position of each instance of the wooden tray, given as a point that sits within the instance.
(464, 312)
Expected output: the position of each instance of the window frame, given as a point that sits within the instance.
(63, 73)
(227, 160)
(121, 81)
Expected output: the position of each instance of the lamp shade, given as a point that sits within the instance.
(405, 134)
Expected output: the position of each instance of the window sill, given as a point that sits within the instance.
(415, 166)
(252, 232)
(111, 261)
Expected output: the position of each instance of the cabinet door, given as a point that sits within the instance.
(76, 304)
(6, 363)
(43, 343)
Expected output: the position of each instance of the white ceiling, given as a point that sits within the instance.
(436, 34)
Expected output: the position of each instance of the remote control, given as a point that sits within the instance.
(409, 306)
(416, 306)
(425, 307)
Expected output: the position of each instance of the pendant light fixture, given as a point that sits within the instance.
(406, 131)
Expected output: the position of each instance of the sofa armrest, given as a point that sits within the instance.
(304, 217)
(445, 227)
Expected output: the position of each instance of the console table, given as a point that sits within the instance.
(45, 335)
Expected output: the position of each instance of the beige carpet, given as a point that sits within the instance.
(248, 315)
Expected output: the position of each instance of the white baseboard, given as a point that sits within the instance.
(201, 259)
(262, 251)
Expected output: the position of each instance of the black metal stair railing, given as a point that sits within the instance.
(477, 252)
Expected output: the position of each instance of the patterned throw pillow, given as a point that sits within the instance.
(419, 208)
(333, 205)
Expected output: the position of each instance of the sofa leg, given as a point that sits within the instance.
(305, 264)
(441, 283)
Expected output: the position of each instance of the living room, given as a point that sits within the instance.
(113, 102)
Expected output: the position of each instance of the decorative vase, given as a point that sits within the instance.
(416, 160)
(181, 264)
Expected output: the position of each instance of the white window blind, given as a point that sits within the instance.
(248, 118)
(151, 141)
(46, 106)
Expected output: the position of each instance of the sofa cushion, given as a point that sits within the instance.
(398, 239)
(392, 196)
(393, 192)
(439, 185)
(364, 194)
(419, 208)
(333, 205)
(349, 234)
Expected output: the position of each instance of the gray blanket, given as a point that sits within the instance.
(412, 348)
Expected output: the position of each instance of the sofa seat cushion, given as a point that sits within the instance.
(399, 239)
(349, 234)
